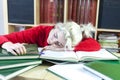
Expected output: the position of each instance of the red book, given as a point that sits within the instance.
(46, 11)
(61, 10)
(93, 9)
(82, 11)
(78, 11)
(70, 9)
(87, 11)
(52, 11)
(41, 11)
(58, 10)
(74, 10)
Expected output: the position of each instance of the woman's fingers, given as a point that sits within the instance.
(19, 49)
(15, 49)
(12, 51)
(22, 49)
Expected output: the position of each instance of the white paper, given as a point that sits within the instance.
(59, 55)
(73, 72)
(102, 54)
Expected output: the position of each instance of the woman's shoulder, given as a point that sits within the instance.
(89, 39)
(40, 28)
(88, 44)
(44, 25)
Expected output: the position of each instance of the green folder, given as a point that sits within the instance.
(108, 70)
(6, 74)
(32, 53)
(5, 64)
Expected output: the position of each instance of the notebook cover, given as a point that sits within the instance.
(110, 69)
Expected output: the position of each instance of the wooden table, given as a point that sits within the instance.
(38, 73)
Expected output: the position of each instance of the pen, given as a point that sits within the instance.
(41, 52)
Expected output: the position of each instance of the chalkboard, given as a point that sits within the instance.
(21, 11)
(109, 14)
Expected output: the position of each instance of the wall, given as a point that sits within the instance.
(3, 17)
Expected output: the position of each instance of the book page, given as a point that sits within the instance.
(72, 72)
(59, 55)
(102, 54)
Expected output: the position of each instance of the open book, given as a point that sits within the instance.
(72, 56)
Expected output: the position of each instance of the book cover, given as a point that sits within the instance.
(5, 64)
(6, 74)
(72, 56)
(106, 70)
(60, 10)
(41, 11)
(78, 11)
(53, 11)
(74, 10)
(87, 11)
(115, 51)
(32, 53)
(107, 36)
(93, 11)
(82, 16)
(46, 4)
(70, 7)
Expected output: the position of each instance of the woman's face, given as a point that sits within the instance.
(57, 38)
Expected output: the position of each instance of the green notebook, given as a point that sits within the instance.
(6, 74)
(108, 70)
(32, 53)
(5, 64)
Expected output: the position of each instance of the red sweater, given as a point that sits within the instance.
(38, 35)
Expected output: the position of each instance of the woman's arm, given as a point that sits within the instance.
(3, 39)
(26, 36)
(36, 35)
(12, 42)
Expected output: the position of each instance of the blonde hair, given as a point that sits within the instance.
(74, 32)
(87, 29)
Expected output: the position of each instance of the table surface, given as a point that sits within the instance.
(38, 73)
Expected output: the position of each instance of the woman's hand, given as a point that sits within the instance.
(15, 49)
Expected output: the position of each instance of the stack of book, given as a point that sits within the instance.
(108, 40)
(11, 66)
(82, 11)
(51, 11)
